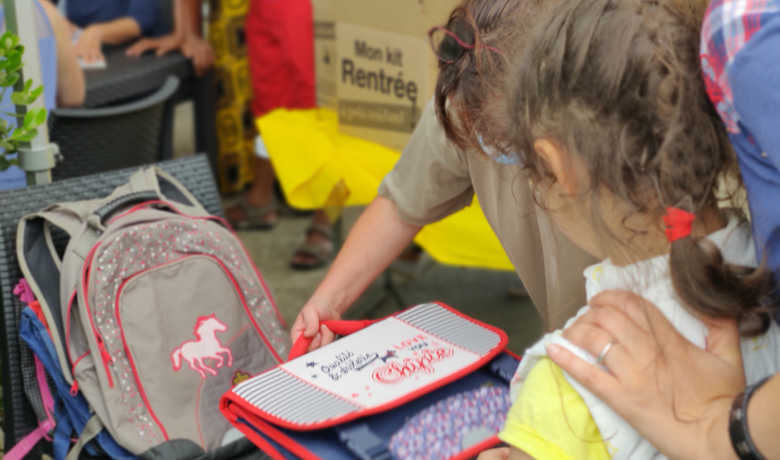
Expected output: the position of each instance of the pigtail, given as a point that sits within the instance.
(619, 84)
(706, 283)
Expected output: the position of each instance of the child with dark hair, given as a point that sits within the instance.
(625, 152)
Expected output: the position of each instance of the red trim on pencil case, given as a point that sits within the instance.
(231, 398)
(234, 412)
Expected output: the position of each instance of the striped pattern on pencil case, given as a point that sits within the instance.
(283, 396)
(437, 320)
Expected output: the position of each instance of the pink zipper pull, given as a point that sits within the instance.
(106, 357)
(74, 389)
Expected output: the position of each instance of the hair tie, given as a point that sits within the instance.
(678, 223)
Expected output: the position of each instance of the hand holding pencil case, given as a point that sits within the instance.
(427, 382)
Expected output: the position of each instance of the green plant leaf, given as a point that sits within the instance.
(34, 118)
(14, 62)
(28, 136)
(11, 53)
(29, 120)
(40, 116)
(34, 94)
(10, 80)
(18, 98)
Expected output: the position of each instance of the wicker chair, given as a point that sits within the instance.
(105, 139)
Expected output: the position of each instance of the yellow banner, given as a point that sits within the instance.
(311, 159)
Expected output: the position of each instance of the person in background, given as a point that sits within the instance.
(187, 36)
(98, 22)
(280, 43)
(63, 80)
(445, 165)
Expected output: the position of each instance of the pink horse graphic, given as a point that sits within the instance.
(206, 347)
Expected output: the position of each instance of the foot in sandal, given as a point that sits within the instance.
(245, 215)
(317, 249)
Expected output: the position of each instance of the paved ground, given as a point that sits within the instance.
(482, 294)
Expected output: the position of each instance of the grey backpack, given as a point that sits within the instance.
(155, 310)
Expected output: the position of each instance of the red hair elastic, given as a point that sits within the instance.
(678, 223)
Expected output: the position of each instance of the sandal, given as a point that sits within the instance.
(319, 254)
(254, 218)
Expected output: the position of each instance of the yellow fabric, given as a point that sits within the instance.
(310, 157)
(465, 238)
(550, 421)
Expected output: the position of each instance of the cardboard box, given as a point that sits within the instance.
(325, 53)
(386, 71)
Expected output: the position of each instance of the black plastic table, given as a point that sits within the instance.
(126, 77)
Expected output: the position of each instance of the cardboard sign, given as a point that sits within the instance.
(385, 69)
(325, 53)
(381, 80)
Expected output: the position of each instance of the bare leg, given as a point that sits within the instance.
(261, 192)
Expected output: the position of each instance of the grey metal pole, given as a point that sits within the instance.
(36, 157)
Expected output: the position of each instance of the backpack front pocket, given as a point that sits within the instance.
(180, 324)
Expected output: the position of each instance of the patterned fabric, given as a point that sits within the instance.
(439, 431)
(728, 26)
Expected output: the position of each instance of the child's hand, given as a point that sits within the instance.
(501, 453)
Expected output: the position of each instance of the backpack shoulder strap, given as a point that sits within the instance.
(92, 429)
(40, 264)
(145, 185)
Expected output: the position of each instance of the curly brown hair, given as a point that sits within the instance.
(468, 90)
(619, 83)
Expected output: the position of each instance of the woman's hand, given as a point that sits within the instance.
(675, 394)
(88, 45)
(194, 48)
(161, 45)
(308, 321)
(200, 52)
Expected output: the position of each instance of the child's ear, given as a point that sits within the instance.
(558, 162)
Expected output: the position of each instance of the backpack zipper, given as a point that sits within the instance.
(104, 354)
